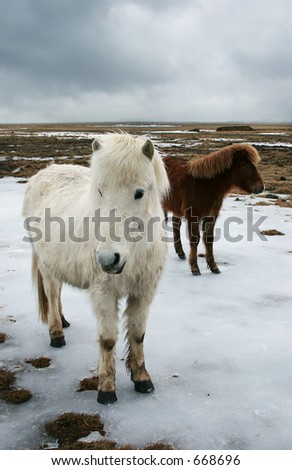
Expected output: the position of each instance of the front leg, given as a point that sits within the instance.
(194, 238)
(208, 237)
(136, 318)
(106, 309)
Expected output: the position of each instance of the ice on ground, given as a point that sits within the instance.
(272, 133)
(271, 144)
(218, 347)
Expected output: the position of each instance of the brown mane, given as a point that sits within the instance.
(208, 166)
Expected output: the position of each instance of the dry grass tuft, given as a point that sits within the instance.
(159, 446)
(39, 362)
(71, 426)
(271, 232)
(3, 337)
(94, 445)
(105, 444)
(284, 202)
(6, 379)
(9, 394)
(263, 203)
(16, 396)
(89, 383)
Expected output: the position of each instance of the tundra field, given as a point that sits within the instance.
(218, 347)
(24, 149)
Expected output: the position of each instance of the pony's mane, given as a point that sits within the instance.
(208, 166)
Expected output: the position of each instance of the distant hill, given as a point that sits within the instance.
(234, 128)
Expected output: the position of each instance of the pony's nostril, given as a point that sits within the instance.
(116, 259)
(107, 259)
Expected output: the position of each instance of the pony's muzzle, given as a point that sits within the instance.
(258, 188)
(110, 262)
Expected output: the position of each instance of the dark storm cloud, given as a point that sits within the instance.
(150, 59)
(89, 45)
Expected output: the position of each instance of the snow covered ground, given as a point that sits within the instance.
(218, 347)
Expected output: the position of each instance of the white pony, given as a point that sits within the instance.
(100, 228)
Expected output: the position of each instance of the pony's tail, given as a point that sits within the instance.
(37, 278)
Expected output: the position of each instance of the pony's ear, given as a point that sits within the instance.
(95, 145)
(148, 149)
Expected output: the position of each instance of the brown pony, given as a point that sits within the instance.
(198, 187)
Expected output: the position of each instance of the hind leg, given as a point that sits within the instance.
(52, 289)
(65, 323)
(176, 224)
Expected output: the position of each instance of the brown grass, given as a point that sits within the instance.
(94, 445)
(263, 203)
(39, 362)
(89, 383)
(271, 232)
(275, 167)
(105, 444)
(6, 379)
(159, 446)
(284, 202)
(3, 337)
(71, 426)
(10, 394)
(16, 396)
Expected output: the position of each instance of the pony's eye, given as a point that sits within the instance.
(100, 192)
(139, 193)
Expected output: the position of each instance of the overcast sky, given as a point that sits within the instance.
(121, 60)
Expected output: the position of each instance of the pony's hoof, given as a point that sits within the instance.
(145, 386)
(196, 272)
(216, 270)
(106, 398)
(58, 342)
(181, 256)
(65, 323)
